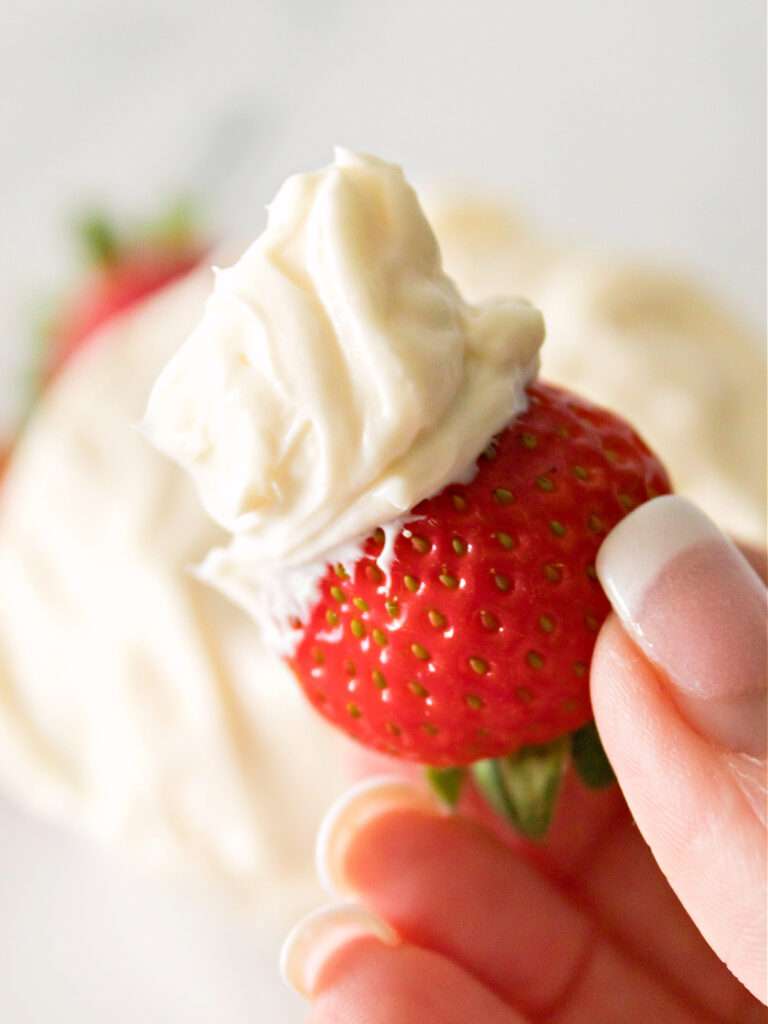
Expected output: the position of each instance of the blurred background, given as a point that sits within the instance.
(638, 128)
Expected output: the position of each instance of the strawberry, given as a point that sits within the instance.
(475, 642)
(122, 273)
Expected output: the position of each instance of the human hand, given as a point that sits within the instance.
(470, 926)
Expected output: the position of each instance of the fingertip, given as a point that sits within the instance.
(692, 603)
(356, 808)
(317, 937)
(696, 803)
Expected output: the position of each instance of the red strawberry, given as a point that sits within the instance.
(122, 273)
(477, 642)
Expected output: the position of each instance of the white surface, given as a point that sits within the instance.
(84, 940)
(637, 126)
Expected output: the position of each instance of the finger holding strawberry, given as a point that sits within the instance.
(417, 516)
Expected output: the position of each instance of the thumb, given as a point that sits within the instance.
(679, 690)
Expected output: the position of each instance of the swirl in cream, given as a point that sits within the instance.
(336, 379)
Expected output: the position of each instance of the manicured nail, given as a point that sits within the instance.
(315, 939)
(353, 809)
(698, 610)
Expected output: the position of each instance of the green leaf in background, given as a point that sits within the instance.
(99, 239)
(177, 226)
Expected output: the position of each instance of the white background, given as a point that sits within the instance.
(637, 126)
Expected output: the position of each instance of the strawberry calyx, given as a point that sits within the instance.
(523, 787)
(446, 783)
(589, 758)
(104, 243)
(119, 268)
(99, 240)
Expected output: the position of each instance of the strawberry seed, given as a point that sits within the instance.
(489, 620)
(436, 618)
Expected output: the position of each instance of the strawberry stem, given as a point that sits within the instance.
(524, 786)
(446, 783)
(590, 760)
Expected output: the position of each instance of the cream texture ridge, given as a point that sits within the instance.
(336, 379)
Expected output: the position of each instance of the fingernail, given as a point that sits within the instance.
(697, 609)
(353, 809)
(314, 940)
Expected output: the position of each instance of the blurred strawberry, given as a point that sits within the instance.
(122, 271)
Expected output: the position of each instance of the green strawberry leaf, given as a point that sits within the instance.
(177, 226)
(99, 240)
(524, 786)
(590, 759)
(446, 783)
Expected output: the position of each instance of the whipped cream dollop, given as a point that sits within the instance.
(336, 378)
(136, 702)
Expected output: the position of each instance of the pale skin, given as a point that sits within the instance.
(587, 927)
